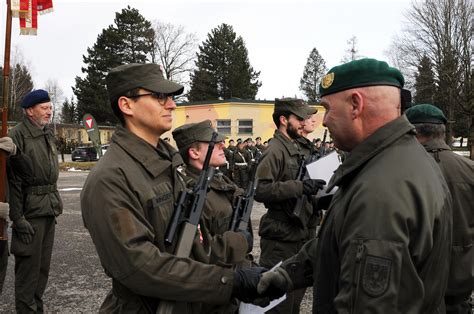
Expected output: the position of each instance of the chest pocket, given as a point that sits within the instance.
(160, 209)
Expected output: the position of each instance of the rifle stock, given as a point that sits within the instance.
(300, 176)
(186, 216)
(244, 203)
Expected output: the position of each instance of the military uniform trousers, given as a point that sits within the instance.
(3, 262)
(32, 265)
(241, 176)
(273, 252)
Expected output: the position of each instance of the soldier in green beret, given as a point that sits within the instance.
(216, 244)
(458, 171)
(385, 243)
(283, 232)
(128, 200)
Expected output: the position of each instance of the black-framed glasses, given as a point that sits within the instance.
(162, 97)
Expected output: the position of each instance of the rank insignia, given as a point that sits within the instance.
(327, 80)
(376, 275)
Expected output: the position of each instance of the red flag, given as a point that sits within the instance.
(27, 11)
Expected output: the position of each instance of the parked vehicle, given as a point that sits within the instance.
(104, 148)
(84, 154)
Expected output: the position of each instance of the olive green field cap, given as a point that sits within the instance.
(360, 73)
(148, 76)
(294, 105)
(425, 113)
(189, 133)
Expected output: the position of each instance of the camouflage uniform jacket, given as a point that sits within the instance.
(127, 203)
(34, 195)
(385, 242)
(278, 189)
(459, 174)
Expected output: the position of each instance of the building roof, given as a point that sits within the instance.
(225, 101)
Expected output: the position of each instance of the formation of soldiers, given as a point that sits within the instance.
(243, 155)
(176, 237)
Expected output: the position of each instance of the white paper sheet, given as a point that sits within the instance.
(248, 308)
(324, 168)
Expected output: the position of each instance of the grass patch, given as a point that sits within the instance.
(86, 165)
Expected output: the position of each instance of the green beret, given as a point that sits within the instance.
(360, 73)
(189, 133)
(296, 106)
(425, 113)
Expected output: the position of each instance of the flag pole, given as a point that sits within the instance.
(4, 109)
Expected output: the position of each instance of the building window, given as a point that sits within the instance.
(245, 126)
(223, 126)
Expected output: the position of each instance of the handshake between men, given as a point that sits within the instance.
(259, 286)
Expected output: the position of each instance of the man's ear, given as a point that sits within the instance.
(357, 104)
(283, 120)
(29, 111)
(125, 105)
(193, 153)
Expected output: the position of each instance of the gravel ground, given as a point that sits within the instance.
(77, 283)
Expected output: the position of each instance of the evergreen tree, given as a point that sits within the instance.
(314, 70)
(425, 87)
(69, 112)
(223, 68)
(129, 40)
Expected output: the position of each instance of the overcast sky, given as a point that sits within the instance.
(279, 35)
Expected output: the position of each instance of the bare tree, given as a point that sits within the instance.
(21, 84)
(175, 50)
(57, 97)
(352, 52)
(443, 31)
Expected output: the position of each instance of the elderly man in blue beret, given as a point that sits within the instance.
(385, 243)
(34, 202)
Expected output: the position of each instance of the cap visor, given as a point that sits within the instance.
(165, 86)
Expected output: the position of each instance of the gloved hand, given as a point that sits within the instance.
(274, 281)
(24, 230)
(245, 283)
(312, 186)
(6, 144)
(248, 236)
(4, 210)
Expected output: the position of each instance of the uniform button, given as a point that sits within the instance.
(224, 280)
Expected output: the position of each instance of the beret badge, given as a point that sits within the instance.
(327, 80)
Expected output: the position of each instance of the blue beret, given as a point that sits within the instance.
(35, 97)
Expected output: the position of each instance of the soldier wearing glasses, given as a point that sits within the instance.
(127, 202)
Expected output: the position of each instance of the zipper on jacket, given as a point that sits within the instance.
(357, 273)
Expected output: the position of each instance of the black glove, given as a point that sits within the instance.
(275, 283)
(248, 236)
(312, 186)
(245, 283)
(24, 230)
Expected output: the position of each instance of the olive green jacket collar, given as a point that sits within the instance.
(145, 153)
(436, 145)
(34, 130)
(370, 147)
(291, 146)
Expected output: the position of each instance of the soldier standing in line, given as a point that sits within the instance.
(367, 256)
(128, 200)
(241, 160)
(218, 245)
(283, 232)
(458, 171)
(34, 202)
(259, 144)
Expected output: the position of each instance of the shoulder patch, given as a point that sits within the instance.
(376, 275)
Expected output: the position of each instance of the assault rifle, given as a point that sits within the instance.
(300, 176)
(186, 215)
(322, 149)
(243, 203)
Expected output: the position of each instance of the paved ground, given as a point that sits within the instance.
(77, 282)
